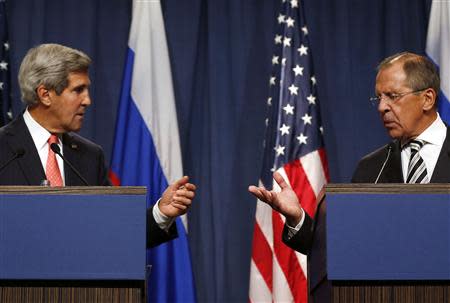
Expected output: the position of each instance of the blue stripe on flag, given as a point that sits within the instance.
(444, 108)
(136, 162)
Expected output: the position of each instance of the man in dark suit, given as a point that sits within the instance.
(406, 89)
(54, 84)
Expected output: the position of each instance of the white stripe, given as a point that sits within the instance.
(281, 289)
(258, 292)
(312, 165)
(152, 88)
(438, 41)
(264, 220)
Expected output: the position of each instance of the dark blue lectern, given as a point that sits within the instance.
(75, 237)
(385, 238)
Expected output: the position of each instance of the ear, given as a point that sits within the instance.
(430, 99)
(44, 95)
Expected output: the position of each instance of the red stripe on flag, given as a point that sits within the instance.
(324, 160)
(288, 262)
(301, 186)
(262, 255)
(114, 178)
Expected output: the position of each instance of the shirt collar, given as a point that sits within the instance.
(39, 134)
(435, 133)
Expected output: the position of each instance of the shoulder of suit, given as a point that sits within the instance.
(76, 141)
(379, 153)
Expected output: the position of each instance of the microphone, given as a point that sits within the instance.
(56, 150)
(385, 161)
(17, 154)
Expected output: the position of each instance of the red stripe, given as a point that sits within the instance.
(323, 159)
(288, 262)
(262, 255)
(114, 178)
(301, 186)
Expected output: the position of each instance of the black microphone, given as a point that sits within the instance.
(17, 154)
(385, 161)
(56, 150)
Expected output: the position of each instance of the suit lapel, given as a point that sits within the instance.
(30, 163)
(441, 172)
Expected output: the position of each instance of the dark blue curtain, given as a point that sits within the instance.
(220, 54)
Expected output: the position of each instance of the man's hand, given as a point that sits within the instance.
(177, 198)
(284, 202)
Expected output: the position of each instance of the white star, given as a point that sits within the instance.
(283, 61)
(294, 3)
(303, 50)
(3, 65)
(289, 109)
(272, 80)
(302, 139)
(305, 30)
(278, 39)
(275, 60)
(281, 18)
(307, 119)
(1, 85)
(284, 129)
(313, 80)
(298, 70)
(290, 22)
(280, 150)
(293, 89)
(321, 129)
(311, 99)
(267, 124)
(6, 45)
(269, 101)
(287, 41)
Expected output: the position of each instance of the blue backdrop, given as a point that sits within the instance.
(220, 53)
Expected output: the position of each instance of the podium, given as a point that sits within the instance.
(72, 244)
(388, 242)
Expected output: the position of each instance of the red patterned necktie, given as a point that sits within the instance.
(52, 169)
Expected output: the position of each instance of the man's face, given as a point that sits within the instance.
(403, 117)
(67, 110)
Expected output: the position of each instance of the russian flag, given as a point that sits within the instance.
(147, 148)
(438, 49)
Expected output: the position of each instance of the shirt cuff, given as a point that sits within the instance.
(293, 230)
(162, 220)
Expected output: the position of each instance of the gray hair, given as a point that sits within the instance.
(421, 73)
(49, 65)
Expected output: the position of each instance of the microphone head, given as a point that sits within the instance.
(20, 152)
(55, 148)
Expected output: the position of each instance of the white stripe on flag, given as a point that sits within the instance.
(312, 165)
(258, 292)
(438, 41)
(152, 88)
(281, 289)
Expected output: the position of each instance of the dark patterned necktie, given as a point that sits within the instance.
(417, 171)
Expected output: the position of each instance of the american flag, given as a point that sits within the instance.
(294, 147)
(5, 75)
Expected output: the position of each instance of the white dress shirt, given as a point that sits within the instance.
(40, 137)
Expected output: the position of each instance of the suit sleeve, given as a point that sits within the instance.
(155, 235)
(302, 240)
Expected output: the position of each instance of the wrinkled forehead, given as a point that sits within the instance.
(391, 77)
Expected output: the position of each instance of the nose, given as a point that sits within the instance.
(86, 100)
(383, 106)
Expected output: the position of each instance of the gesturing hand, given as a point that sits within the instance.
(284, 202)
(177, 198)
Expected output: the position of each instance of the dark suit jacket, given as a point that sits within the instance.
(311, 238)
(86, 156)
